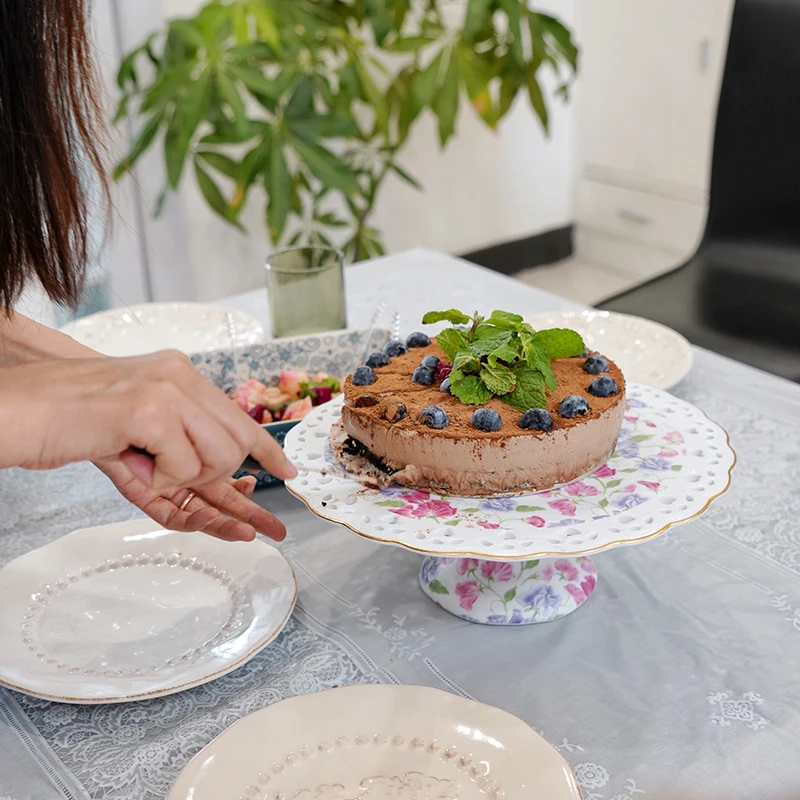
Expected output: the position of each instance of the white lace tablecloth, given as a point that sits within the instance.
(681, 671)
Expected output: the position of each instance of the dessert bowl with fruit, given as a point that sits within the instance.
(279, 382)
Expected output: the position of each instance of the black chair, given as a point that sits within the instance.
(739, 295)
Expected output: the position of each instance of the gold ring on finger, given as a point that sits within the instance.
(189, 498)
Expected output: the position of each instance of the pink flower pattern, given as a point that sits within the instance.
(490, 526)
(547, 574)
(565, 506)
(567, 569)
(673, 437)
(577, 593)
(588, 584)
(467, 592)
(605, 472)
(588, 565)
(499, 570)
(650, 485)
(537, 522)
(581, 489)
(466, 564)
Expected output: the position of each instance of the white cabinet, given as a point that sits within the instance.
(646, 107)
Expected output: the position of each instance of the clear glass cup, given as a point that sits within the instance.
(306, 290)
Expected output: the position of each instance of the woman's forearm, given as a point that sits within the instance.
(22, 340)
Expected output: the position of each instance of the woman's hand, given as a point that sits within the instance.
(222, 509)
(155, 426)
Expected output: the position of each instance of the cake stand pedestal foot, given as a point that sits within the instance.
(508, 592)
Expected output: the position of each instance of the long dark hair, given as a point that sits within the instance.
(50, 121)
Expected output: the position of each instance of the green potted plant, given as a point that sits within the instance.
(305, 99)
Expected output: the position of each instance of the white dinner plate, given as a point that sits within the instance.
(374, 743)
(645, 351)
(146, 328)
(132, 611)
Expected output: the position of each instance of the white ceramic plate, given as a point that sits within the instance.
(377, 743)
(132, 611)
(645, 351)
(146, 328)
(670, 463)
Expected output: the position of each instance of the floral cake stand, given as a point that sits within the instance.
(526, 559)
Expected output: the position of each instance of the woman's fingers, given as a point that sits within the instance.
(270, 455)
(240, 509)
(251, 438)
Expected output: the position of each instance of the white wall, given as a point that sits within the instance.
(486, 187)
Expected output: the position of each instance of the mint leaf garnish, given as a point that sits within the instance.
(470, 390)
(537, 358)
(508, 353)
(504, 320)
(502, 356)
(529, 391)
(487, 339)
(559, 342)
(497, 378)
(451, 341)
(451, 315)
(466, 362)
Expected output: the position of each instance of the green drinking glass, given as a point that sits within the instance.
(306, 290)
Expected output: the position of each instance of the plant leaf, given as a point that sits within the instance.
(559, 342)
(505, 320)
(211, 192)
(445, 103)
(220, 162)
(561, 35)
(527, 509)
(255, 80)
(470, 390)
(537, 101)
(279, 180)
(410, 44)
(167, 86)
(230, 94)
(405, 176)
(175, 145)
(194, 105)
(529, 391)
(487, 339)
(423, 90)
(265, 23)
(478, 14)
(142, 142)
(327, 167)
(451, 315)
(226, 133)
(451, 341)
(510, 595)
(497, 378)
(188, 31)
(301, 103)
(373, 95)
(436, 586)
(513, 11)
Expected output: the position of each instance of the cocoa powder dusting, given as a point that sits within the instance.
(394, 385)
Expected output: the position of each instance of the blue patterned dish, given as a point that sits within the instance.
(335, 353)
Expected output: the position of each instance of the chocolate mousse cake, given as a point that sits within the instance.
(488, 408)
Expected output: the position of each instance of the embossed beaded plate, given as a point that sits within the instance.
(375, 743)
(645, 351)
(131, 611)
(671, 461)
(145, 328)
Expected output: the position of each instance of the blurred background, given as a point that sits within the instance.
(614, 192)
